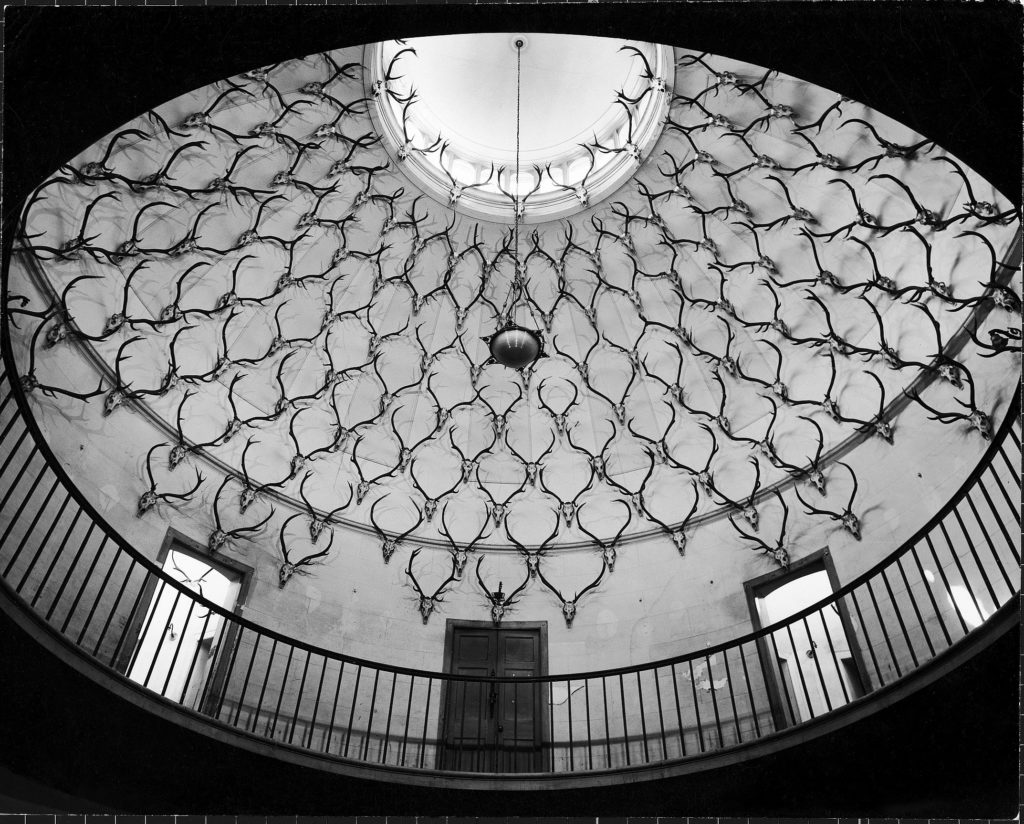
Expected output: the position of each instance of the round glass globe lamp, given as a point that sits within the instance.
(515, 347)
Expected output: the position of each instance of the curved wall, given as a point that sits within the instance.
(357, 605)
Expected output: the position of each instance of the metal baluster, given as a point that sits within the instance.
(586, 702)
(245, 683)
(1012, 432)
(177, 648)
(24, 464)
(369, 718)
(263, 689)
(991, 545)
(782, 680)
(99, 594)
(1014, 471)
(607, 729)
(408, 718)
(625, 731)
(817, 664)
(462, 725)
(231, 669)
(835, 658)
(867, 639)
(387, 728)
(308, 742)
(960, 568)
(1005, 453)
(145, 629)
(661, 716)
(572, 749)
(945, 581)
(56, 557)
(426, 714)
(974, 551)
(750, 693)
(352, 712)
(16, 519)
(800, 668)
(551, 721)
(1011, 508)
(163, 636)
(217, 652)
(72, 611)
(538, 720)
(884, 630)
(329, 733)
(931, 596)
(899, 617)
(1001, 521)
(679, 711)
(113, 609)
(16, 482)
(913, 603)
(280, 692)
(30, 531)
(71, 570)
(3, 408)
(478, 750)
(696, 706)
(643, 716)
(195, 657)
(43, 544)
(298, 701)
(714, 699)
(514, 756)
(732, 696)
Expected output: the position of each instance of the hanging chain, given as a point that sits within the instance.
(515, 206)
(516, 293)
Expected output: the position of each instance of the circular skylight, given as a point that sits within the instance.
(589, 110)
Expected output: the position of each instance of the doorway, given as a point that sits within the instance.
(812, 666)
(494, 727)
(177, 641)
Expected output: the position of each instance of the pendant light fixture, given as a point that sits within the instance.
(512, 345)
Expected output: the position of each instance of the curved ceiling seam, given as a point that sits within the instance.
(900, 402)
(693, 522)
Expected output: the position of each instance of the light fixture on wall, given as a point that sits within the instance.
(512, 345)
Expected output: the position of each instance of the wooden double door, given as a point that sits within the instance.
(494, 727)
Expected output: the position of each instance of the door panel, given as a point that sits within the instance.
(469, 737)
(494, 729)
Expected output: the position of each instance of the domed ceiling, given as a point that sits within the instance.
(259, 267)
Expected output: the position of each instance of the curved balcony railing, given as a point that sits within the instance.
(63, 561)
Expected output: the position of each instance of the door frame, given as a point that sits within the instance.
(451, 625)
(760, 586)
(132, 632)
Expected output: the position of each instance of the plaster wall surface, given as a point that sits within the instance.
(655, 604)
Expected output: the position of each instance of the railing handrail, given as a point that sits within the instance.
(230, 615)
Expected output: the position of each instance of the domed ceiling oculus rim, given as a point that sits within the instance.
(443, 108)
(292, 310)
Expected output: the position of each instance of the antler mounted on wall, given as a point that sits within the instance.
(253, 256)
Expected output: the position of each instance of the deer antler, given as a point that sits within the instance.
(569, 606)
(289, 568)
(607, 545)
(500, 602)
(427, 603)
(391, 543)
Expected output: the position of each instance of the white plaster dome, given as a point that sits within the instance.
(294, 312)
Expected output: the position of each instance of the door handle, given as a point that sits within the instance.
(492, 699)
